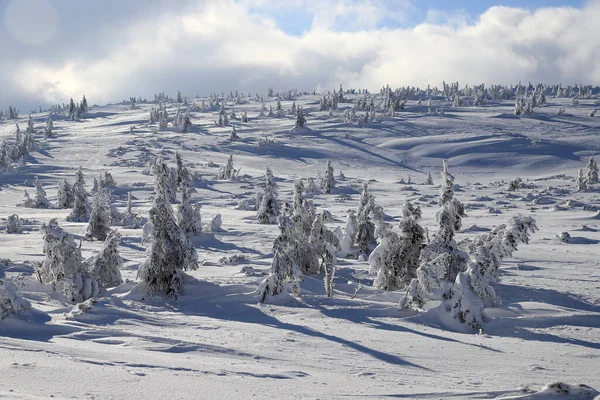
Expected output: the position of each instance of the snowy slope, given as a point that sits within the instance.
(216, 341)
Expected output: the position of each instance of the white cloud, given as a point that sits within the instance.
(226, 45)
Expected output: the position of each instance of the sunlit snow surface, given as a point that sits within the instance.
(216, 341)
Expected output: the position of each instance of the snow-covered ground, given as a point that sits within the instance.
(217, 341)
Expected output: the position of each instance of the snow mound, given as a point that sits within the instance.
(562, 390)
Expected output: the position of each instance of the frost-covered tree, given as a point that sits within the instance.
(170, 251)
(396, 258)
(63, 256)
(65, 194)
(365, 228)
(326, 245)
(300, 119)
(268, 208)
(186, 123)
(183, 174)
(472, 290)
(106, 180)
(106, 265)
(80, 286)
(328, 180)
(10, 301)
(40, 195)
(99, 223)
(165, 180)
(81, 207)
(347, 243)
(441, 260)
(188, 216)
(244, 117)
(30, 126)
(14, 224)
(581, 181)
(592, 171)
(284, 267)
(228, 172)
(429, 180)
(303, 215)
(233, 136)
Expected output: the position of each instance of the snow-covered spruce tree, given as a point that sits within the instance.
(365, 228)
(80, 286)
(268, 209)
(10, 301)
(326, 245)
(233, 136)
(244, 117)
(441, 260)
(592, 171)
(429, 180)
(187, 123)
(14, 224)
(347, 244)
(302, 251)
(30, 126)
(106, 265)
(396, 258)
(165, 180)
(65, 195)
(170, 251)
(106, 180)
(99, 224)
(472, 290)
(300, 119)
(40, 200)
(284, 268)
(228, 172)
(81, 207)
(183, 174)
(188, 216)
(581, 181)
(63, 256)
(328, 180)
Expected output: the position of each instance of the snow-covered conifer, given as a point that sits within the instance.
(328, 180)
(106, 265)
(81, 207)
(244, 117)
(268, 209)
(581, 181)
(40, 195)
(10, 301)
(396, 258)
(326, 245)
(188, 216)
(472, 290)
(80, 286)
(170, 251)
(30, 126)
(284, 267)
(63, 256)
(227, 171)
(302, 251)
(183, 174)
(65, 194)
(215, 223)
(429, 180)
(347, 243)
(14, 224)
(106, 181)
(98, 226)
(365, 228)
(592, 171)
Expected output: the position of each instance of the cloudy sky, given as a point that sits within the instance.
(113, 49)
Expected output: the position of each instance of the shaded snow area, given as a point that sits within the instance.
(532, 333)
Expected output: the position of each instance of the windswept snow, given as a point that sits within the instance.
(217, 341)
